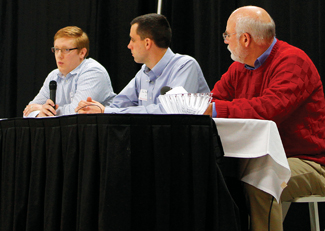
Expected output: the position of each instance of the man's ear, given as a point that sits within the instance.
(247, 39)
(82, 53)
(148, 43)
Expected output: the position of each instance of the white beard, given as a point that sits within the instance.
(238, 54)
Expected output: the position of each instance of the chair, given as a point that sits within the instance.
(313, 209)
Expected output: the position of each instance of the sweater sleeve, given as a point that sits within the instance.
(224, 92)
(273, 91)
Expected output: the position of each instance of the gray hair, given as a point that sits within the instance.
(258, 29)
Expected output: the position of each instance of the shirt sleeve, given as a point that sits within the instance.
(190, 76)
(187, 75)
(92, 80)
(94, 83)
(127, 102)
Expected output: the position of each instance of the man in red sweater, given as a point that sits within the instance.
(273, 80)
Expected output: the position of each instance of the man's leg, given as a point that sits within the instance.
(259, 203)
(307, 178)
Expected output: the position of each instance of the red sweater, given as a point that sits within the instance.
(286, 89)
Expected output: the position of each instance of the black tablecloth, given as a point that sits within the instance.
(113, 172)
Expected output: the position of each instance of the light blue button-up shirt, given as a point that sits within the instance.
(90, 78)
(173, 70)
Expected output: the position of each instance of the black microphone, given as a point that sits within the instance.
(164, 89)
(53, 91)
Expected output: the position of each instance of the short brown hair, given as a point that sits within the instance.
(155, 27)
(81, 38)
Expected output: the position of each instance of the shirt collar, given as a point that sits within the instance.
(160, 66)
(73, 72)
(260, 60)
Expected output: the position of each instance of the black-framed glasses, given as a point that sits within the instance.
(225, 35)
(63, 50)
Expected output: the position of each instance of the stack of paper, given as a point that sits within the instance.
(185, 103)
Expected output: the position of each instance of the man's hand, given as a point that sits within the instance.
(209, 110)
(32, 107)
(47, 109)
(89, 107)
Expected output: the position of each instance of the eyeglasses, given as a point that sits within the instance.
(63, 50)
(225, 35)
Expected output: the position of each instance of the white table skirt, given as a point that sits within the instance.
(264, 163)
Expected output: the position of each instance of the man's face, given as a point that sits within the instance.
(67, 62)
(238, 52)
(137, 46)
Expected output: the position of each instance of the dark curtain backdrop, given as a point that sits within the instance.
(27, 30)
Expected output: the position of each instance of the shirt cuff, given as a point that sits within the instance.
(110, 110)
(214, 112)
(32, 114)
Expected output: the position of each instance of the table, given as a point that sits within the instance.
(264, 163)
(113, 172)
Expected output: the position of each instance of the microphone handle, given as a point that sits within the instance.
(53, 96)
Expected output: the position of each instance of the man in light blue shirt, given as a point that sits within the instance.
(150, 37)
(76, 77)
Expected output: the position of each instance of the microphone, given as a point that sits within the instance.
(53, 91)
(164, 89)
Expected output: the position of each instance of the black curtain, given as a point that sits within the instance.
(27, 30)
